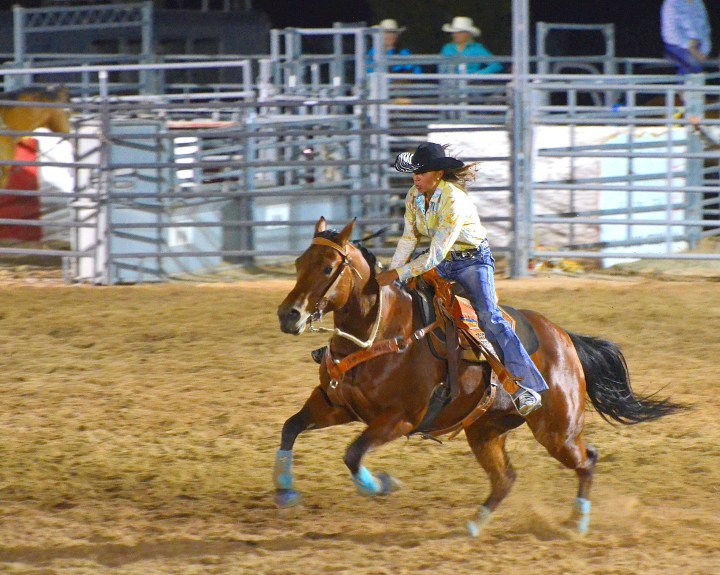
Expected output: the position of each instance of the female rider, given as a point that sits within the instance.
(437, 207)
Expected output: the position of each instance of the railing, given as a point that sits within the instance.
(200, 176)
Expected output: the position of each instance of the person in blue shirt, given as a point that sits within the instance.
(685, 33)
(391, 36)
(463, 32)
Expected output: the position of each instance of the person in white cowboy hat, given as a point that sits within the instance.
(463, 31)
(391, 36)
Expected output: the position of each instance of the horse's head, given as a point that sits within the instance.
(327, 274)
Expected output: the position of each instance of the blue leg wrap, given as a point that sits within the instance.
(366, 483)
(282, 474)
(582, 510)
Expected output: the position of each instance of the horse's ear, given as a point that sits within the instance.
(344, 236)
(320, 226)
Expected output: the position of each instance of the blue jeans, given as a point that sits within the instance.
(684, 60)
(477, 276)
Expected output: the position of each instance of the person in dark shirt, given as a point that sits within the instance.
(391, 37)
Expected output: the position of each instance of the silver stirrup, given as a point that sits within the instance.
(526, 401)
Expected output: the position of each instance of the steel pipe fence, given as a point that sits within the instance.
(187, 181)
(641, 145)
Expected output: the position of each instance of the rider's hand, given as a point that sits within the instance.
(386, 278)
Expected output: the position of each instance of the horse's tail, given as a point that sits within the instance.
(608, 384)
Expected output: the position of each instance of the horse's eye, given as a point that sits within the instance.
(328, 270)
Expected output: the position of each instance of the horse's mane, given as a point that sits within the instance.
(370, 258)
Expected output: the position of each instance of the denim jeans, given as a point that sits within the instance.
(477, 276)
(684, 60)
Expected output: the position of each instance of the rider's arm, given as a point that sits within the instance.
(443, 238)
(409, 239)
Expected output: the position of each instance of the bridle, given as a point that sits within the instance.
(323, 301)
(337, 367)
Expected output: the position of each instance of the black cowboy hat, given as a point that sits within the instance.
(428, 157)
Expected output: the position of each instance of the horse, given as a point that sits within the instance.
(391, 393)
(28, 118)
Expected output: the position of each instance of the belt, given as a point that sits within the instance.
(468, 254)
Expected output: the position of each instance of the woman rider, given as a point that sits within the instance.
(437, 207)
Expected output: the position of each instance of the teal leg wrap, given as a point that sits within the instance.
(366, 483)
(282, 474)
(285, 495)
(582, 514)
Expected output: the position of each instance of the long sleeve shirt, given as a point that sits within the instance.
(472, 49)
(451, 222)
(683, 21)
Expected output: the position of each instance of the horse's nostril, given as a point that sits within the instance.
(289, 314)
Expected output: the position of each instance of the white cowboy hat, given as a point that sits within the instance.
(390, 25)
(462, 24)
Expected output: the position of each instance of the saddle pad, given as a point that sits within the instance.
(466, 318)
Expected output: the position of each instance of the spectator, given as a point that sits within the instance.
(463, 31)
(391, 36)
(685, 33)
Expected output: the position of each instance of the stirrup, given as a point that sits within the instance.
(318, 354)
(526, 401)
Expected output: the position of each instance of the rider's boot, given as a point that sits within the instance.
(526, 400)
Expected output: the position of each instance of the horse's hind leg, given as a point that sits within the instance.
(581, 512)
(318, 412)
(383, 429)
(573, 453)
(488, 445)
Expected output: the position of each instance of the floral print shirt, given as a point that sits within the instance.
(451, 222)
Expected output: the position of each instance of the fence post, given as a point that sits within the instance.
(245, 201)
(104, 187)
(521, 143)
(694, 106)
(20, 48)
(146, 77)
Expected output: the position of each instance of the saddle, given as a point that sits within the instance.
(462, 338)
(451, 327)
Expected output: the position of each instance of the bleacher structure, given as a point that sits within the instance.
(174, 176)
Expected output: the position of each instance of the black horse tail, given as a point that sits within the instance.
(608, 384)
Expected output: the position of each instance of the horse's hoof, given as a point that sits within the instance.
(475, 527)
(388, 484)
(285, 498)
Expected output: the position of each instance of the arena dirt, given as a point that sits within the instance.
(139, 425)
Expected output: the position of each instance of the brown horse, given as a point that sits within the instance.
(26, 117)
(391, 393)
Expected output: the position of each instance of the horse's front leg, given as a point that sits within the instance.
(383, 429)
(317, 413)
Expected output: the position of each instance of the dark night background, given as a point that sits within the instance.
(636, 21)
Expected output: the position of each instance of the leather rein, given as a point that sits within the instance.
(337, 368)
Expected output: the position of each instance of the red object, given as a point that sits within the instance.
(22, 207)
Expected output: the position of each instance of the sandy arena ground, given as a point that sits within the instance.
(139, 426)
